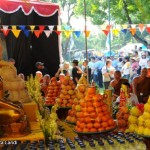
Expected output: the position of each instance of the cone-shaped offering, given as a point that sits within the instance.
(67, 93)
(74, 112)
(53, 91)
(135, 112)
(123, 112)
(144, 121)
(94, 115)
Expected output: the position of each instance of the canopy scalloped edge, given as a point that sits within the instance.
(41, 8)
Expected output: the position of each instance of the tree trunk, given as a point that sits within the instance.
(137, 38)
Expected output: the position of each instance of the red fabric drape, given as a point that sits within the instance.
(44, 9)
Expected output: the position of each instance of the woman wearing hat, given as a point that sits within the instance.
(76, 71)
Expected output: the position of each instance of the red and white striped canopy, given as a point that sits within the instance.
(44, 9)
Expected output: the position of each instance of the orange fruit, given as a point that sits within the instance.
(82, 125)
(100, 115)
(87, 98)
(119, 115)
(97, 125)
(122, 123)
(91, 90)
(124, 109)
(81, 114)
(95, 97)
(85, 130)
(101, 129)
(89, 103)
(81, 120)
(93, 130)
(126, 116)
(93, 114)
(99, 109)
(96, 104)
(90, 109)
(104, 124)
(87, 120)
(104, 107)
(98, 119)
(111, 122)
(89, 125)
(86, 114)
(78, 123)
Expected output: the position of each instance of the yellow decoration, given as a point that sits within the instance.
(67, 33)
(16, 32)
(87, 33)
(14, 27)
(32, 28)
(124, 88)
(115, 32)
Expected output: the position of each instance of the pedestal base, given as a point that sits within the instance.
(35, 135)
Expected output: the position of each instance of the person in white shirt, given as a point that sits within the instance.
(143, 61)
(108, 73)
(133, 100)
(91, 66)
(126, 68)
(140, 52)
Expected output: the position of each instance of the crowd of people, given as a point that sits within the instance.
(106, 73)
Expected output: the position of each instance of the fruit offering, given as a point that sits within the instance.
(123, 112)
(67, 93)
(144, 121)
(53, 91)
(83, 80)
(74, 112)
(94, 115)
(135, 112)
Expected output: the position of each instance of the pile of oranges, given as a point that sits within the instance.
(67, 93)
(123, 113)
(94, 115)
(74, 112)
(52, 91)
(122, 118)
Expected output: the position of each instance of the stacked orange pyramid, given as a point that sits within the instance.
(123, 112)
(74, 113)
(52, 91)
(67, 93)
(94, 115)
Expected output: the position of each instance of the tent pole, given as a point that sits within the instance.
(109, 25)
(86, 52)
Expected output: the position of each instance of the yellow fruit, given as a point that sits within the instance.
(78, 108)
(132, 127)
(132, 119)
(147, 107)
(141, 121)
(146, 115)
(135, 111)
(146, 132)
(147, 123)
(140, 130)
(70, 92)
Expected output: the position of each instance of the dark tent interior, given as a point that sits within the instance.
(28, 50)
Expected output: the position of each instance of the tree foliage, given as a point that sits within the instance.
(138, 10)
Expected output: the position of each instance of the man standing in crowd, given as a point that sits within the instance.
(98, 66)
(141, 85)
(76, 71)
(91, 66)
(40, 67)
